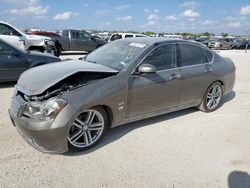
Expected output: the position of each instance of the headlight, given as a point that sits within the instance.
(44, 110)
(217, 44)
(49, 42)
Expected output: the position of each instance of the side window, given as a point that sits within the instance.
(84, 35)
(7, 30)
(191, 55)
(65, 33)
(115, 37)
(162, 57)
(75, 35)
(5, 49)
(209, 55)
(128, 36)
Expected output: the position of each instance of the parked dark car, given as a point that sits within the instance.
(14, 61)
(123, 81)
(244, 44)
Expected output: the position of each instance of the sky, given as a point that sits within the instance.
(196, 16)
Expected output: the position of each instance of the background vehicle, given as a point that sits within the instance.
(116, 36)
(227, 43)
(54, 36)
(204, 41)
(243, 44)
(124, 81)
(79, 40)
(14, 61)
(27, 42)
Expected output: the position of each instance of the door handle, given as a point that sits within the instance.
(208, 70)
(174, 77)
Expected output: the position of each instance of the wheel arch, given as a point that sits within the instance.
(109, 112)
(220, 81)
(40, 48)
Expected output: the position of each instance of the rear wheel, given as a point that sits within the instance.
(88, 129)
(212, 98)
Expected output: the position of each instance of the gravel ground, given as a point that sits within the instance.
(188, 149)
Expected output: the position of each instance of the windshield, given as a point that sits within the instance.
(117, 54)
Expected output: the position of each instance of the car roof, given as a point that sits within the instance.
(134, 34)
(154, 40)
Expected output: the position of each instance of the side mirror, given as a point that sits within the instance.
(147, 69)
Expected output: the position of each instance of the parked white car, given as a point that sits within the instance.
(116, 36)
(27, 42)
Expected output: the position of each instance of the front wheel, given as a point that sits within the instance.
(212, 98)
(88, 129)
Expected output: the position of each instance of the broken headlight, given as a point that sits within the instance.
(44, 110)
(49, 42)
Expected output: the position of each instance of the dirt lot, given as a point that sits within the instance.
(188, 149)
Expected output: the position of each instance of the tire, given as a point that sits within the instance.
(212, 98)
(88, 129)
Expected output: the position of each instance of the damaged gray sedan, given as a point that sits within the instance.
(70, 105)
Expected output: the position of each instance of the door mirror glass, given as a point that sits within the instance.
(147, 69)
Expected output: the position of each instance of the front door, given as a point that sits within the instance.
(82, 41)
(153, 92)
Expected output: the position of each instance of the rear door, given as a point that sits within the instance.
(11, 35)
(196, 73)
(12, 63)
(149, 93)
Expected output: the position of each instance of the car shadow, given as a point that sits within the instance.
(239, 179)
(7, 85)
(228, 97)
(120, 131)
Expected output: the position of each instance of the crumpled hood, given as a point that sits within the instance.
(36, 80)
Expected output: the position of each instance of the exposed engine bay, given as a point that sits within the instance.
(72, 82)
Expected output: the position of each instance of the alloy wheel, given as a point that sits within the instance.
(86, 129)
(213, 97)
